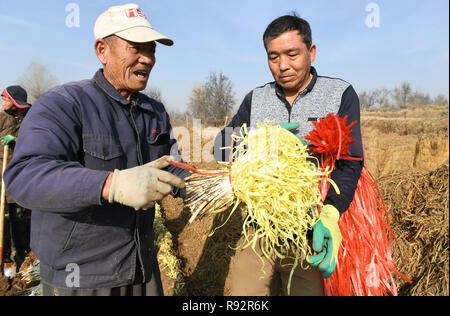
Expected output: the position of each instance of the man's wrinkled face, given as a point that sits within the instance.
(6, 103)
(290, 61)
(127, 65)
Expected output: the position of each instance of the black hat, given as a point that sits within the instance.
(17, 95)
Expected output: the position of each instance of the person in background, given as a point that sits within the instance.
(15, 107)
(91, 160)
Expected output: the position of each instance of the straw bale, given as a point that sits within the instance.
(418, 204)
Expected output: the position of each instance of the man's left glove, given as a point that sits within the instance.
(8, 139)
(326, 240)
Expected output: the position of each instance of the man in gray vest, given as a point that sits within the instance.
(300, 95)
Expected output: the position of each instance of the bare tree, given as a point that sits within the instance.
(382, 97)
(36, 80)
(198, 102)
(213, 100)
(403, 94)
(419, 98)
(154, 93)
(377, 98)
(403, 97)
(366, 100)
(441, 100)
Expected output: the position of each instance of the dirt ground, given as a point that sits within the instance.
(11, 287)
(205, 260)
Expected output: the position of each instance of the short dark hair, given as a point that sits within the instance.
(288, 23)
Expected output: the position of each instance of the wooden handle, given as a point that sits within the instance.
(3, 204)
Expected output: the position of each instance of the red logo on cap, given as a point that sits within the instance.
(134, 13)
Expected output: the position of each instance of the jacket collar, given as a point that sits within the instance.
(137, 99)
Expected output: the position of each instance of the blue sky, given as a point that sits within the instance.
(411, 43)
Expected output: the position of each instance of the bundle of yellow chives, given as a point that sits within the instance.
(276, 178)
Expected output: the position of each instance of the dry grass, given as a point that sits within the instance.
(402, 140)
(418, 204)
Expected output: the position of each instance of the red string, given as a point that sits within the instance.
(365, 265)
(190, 168)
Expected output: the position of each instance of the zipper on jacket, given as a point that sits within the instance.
(140, 162)
(288, 105)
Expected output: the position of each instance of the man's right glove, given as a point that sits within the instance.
(292, 127)
(326, 240)
(140, 187)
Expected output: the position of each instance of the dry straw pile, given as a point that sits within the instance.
(418, 204)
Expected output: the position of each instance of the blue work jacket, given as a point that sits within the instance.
(71, 139)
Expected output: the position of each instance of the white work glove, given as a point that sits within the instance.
(140, 187)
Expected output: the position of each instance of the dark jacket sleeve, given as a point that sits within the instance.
(44, 174)
(347, 172)
(223, 139)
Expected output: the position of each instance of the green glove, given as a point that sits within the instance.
(291, 127)
(326, 240)
(7, 139)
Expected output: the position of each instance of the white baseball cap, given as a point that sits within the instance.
(130, 23)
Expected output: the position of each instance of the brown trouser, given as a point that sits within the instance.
(248, 278)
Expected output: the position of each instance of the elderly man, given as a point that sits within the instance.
(89, 163)
(300, 95)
